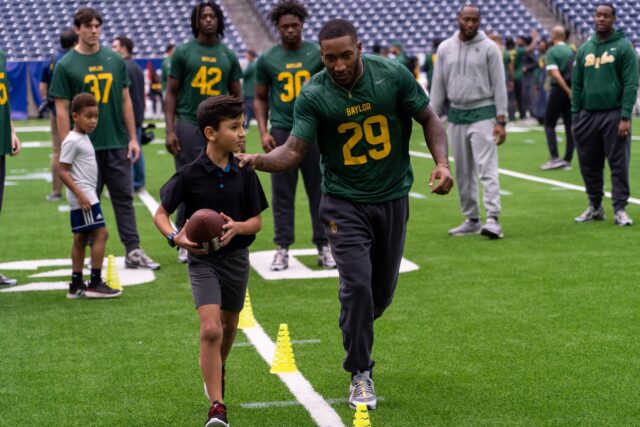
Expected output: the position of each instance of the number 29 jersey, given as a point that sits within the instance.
(104, 75)
(285, 72)
(362, 134)
(203, 71)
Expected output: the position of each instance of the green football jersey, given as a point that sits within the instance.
(285, 72)
(5, 115)
(103, 74)
(363, 135)
(203, 71)
(249, 80)
(166, 65)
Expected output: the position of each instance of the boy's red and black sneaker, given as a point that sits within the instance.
(217, 415)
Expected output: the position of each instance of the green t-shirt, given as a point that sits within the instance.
(558, 58)
(166, 65)
(5, 114)
(203, 71)
(249, 80)
(103, 74)
(516, 56)
(363, 135)
(285, 72)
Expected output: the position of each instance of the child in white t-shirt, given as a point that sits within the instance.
(79, 172)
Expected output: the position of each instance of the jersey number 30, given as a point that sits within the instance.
(381, 142)
(94, 81)
(201, 80)
(292, 84)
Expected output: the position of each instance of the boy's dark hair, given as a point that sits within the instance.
(212, 111)
(195, 18)
(85, 15)
(126, 42)
(68, 38)
(169, 47)
(607, 4)
(81, 101)
(287, 7)
(337, 28)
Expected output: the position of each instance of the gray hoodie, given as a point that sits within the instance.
(470, 74)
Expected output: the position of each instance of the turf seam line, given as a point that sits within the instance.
(321, 412)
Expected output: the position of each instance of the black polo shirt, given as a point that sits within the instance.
(234, 191)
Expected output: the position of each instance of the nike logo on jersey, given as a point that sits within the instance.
(380, 81)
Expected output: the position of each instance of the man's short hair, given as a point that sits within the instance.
(287, 7)
(85, 15)
(195, 17)
(125, 42)
(169, 47)
(81, 101)
(212, 111)
(68, 38)
(471, 5)
(337, 28)
(607, 4)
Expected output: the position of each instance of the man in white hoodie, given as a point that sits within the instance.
(470, 74)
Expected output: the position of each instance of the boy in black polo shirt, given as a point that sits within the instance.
(218, 279)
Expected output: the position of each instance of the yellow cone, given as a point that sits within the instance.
(361, 419)
(246, 315)
(113, 278)
(283, 360)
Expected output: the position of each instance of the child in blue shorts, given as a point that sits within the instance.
(79, 172)
(218, 279)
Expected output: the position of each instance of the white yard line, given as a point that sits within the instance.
(321, 411)
(532, 178)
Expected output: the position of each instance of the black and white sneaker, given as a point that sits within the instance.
(76, 291)
(362, 391)
(217, 415)
(6, 281)
(280, 260)
(138, 259)
(325, 258)
(101, 290)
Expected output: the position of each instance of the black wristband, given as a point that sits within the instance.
(170, 237)
(502, 123)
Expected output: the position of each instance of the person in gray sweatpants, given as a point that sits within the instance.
(470, 74)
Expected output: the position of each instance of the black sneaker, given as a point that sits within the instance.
(101, 290)
(217, 415)
(6, 281)
(76, 291)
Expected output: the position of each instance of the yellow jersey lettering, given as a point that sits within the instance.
(208, 59)
(95, 68)
(294, 65)
(356, 109)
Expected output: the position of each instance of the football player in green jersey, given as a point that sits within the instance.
(359, 112)
(280, 74)
(9, 142)
(90, 67)
(200, 68)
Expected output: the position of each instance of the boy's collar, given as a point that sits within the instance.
(212, 167)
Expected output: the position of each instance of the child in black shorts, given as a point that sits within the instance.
(218, 279)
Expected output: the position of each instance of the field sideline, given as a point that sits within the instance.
(539, 328)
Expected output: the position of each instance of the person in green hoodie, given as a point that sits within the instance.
(604, 88)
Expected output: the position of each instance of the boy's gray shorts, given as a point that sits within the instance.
(220, 280)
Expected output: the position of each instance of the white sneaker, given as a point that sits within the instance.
(592, 214)
(325, 258)
(621, 218)
(492, 229)
(280, 260)
(554, 163)
(467, 228)
(182, 255)
(138, 259)
(361, 391)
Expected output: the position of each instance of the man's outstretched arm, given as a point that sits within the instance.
(281, 159)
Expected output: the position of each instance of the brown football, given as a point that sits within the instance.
(205, 227)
